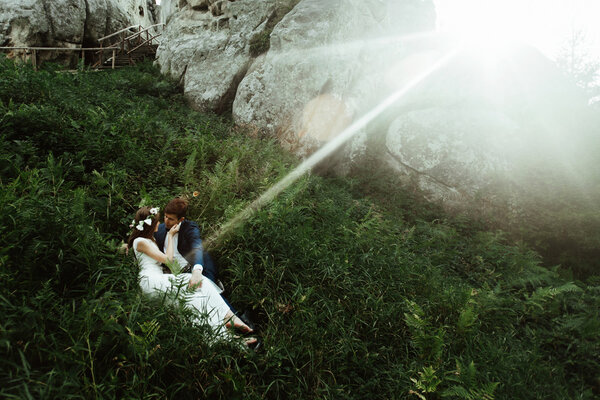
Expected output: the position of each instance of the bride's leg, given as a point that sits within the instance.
(208, 299)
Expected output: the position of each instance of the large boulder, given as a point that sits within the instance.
(505, 132)
(505, 137)
(326, 66)
(453, 153)
(206, 46)
(68, 23)
(483, 126)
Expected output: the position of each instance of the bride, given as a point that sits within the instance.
(204, 298)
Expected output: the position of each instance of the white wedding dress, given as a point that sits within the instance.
(205, 299)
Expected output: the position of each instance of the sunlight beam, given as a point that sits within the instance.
(327, 149)
(354, 46)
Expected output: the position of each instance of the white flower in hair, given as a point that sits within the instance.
(147, 221)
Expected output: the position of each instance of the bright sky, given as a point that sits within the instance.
(545, 24)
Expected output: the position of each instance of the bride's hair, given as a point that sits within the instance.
(148, 232)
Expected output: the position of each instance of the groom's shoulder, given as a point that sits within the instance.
(190, 226)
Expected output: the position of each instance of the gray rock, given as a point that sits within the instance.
(167, 9)
(66, 20)
(467, 134)
(331, 57)
(23, 22)
(452, 153)
(67, 23)
(206, 47)
(505, 137)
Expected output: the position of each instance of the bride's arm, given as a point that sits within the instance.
(156, 254)
(153, 252)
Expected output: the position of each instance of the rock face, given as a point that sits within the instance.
(443, 148)
(68, 23)
(166, 9)
(206, 46)
(326, 66)
(484, 126)
(504, 134)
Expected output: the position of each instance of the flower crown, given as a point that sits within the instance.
(147, 221)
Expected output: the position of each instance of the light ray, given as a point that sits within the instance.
(353, 46)
(327, 149)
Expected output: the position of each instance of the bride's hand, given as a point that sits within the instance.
(196, 280)
(174, 229)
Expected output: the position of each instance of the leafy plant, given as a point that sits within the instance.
(426, 383)
(466, 385)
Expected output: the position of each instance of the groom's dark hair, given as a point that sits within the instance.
(177, 206)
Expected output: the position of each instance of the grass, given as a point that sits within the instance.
(378, 296)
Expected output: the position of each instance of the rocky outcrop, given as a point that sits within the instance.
(503, 131)
(68, 23)
(483, 126)
(496, 130)
(326, 66)
(453, 153)
(206, 46)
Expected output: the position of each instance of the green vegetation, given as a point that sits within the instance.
(261, 41)
(379, 297)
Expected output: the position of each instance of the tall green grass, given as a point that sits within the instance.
(357, 297)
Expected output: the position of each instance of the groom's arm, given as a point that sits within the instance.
(193, 237)
(196, 244)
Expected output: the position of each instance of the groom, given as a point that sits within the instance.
(188, 245)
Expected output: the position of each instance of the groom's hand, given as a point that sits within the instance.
(196, 280)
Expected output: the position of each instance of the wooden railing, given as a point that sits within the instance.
(137, 37)
(128, 41)
(30, 53)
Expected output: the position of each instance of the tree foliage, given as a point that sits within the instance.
(576, 62)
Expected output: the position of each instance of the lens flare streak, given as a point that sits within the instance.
(327, 149)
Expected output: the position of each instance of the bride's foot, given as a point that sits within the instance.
(252, 343)
(238, 324)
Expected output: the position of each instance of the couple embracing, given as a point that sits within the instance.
(176, 243)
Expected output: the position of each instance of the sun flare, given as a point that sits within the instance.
(492, 27)
(496, 25)
(546, 25)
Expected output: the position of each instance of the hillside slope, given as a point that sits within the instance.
(379, 297)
